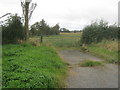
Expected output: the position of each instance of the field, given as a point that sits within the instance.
(27, 66)
(63, 40)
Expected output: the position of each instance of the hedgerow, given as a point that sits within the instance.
(98, 31)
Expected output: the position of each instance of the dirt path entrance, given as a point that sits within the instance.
(89, 77)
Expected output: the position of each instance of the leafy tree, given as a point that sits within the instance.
(45, 29)
(56, 29)
(42, 28)
(35, 30)
(13, 31)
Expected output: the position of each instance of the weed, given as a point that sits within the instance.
(90, 63)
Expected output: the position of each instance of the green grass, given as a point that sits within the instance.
(107, 50)
(90, 63)
(62, 40)
(27, 66)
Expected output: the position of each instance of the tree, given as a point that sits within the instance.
(42, 28)
(34, 31)
(13, 31)
(65, 30)
(56, 29)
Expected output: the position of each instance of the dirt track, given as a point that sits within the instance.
(89, 77)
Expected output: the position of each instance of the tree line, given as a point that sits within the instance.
(14, 31)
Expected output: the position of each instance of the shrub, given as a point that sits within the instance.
(96, 32)
(13, 31)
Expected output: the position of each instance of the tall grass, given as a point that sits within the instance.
(105, 49)
(27, 66)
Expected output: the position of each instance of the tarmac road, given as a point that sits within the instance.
(89, 77)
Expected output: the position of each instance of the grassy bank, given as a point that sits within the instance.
(106, 49)
(26, 66)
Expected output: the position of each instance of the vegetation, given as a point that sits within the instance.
(62, 40)
(64, 30)
(98, 31)
(12, 31)
(41, 28)
(39, 66)
(90, 63)
(101, 40)
(27, 66)
(105, 49)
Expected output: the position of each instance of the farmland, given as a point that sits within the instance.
(64, 40)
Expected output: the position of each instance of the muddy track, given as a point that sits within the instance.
(89, 77)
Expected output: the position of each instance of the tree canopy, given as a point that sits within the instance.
(42, 28)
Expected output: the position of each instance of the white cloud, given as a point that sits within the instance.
(71, 14)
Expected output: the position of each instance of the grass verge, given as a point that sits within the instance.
(27, 66)
(106, 49)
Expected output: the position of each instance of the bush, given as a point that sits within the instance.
(96, 32)
(13, 31)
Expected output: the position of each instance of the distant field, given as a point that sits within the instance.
(64, 40)
(27, 66)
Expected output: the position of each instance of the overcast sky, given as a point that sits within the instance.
(70, 14)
